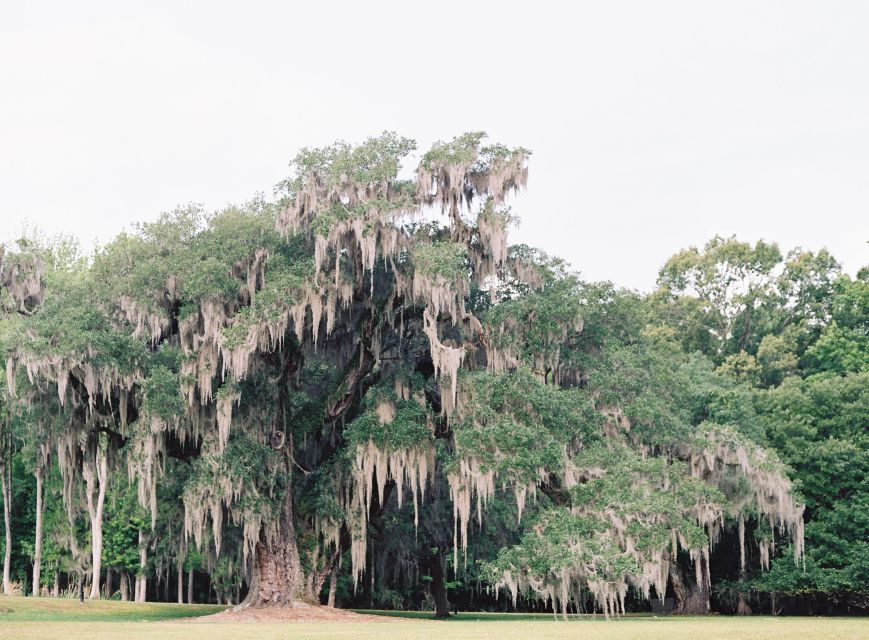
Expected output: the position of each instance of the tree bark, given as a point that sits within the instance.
(190, 586)
(6, 488)
(180, 583)
(95, 511)
(125, 588)
(277, 578)
(743, 608)
(109, 581)
(692, 598)
(316, 580)
(37, 543)
(333, 586)
(141, 578)
(277, 574)
(439, 588)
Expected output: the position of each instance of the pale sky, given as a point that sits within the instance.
(654, 125)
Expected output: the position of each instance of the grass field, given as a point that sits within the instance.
(47, 619)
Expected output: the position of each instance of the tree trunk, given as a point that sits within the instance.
(109, 581)
(743, 608)
(277, 574)
(333, 585)
(692, 598)
(190, 586)
(57, 584)
(125, 587)
(277, 578)
(141, 579)
(316, 580)
(37, 543)
(180, 583)
(95, 511)
(6, 488)
(439, 588)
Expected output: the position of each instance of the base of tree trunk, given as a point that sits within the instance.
(277, 574)
(692, 599)
(438, 587)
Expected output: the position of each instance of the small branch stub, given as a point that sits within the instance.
(277, 439)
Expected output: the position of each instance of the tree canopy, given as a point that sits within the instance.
(362, 367)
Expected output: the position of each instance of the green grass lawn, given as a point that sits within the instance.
(46, 619)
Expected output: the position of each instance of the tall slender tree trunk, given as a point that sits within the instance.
(180, 583)
(190, 586)
(6, 488)
(95, 511)
(109, 580)
(141, 578)
(37, 543)
(125, 587)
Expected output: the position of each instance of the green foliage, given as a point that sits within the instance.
(408, 428)
(441, 260)
(632, 424)
(460, 150)
(375, 160)
(515, 425)
(124, 519)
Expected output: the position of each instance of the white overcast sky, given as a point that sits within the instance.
(654, 125)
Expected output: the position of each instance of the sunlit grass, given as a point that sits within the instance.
(45, 618)
(68, 609)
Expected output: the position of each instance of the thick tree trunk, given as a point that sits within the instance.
(95, 511)
(439, 588)
(277, 574)
(6, 488)
(37, 542)
(277, 578)
(692, 598)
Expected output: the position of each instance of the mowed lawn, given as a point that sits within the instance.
(46, 618)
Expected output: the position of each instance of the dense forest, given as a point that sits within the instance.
(357, 392)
